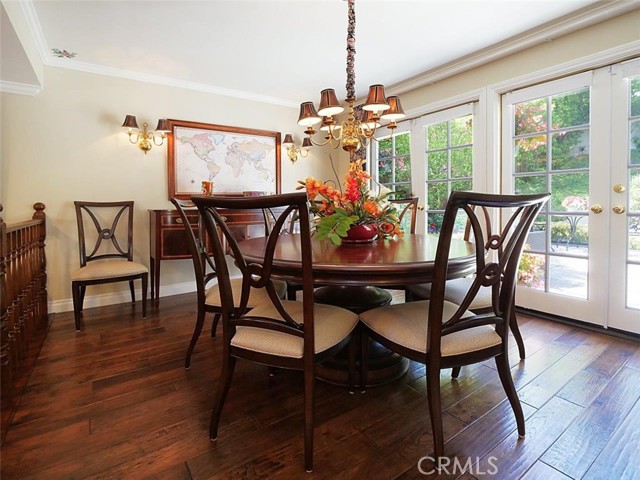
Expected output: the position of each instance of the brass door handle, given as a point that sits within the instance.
(596, 208)
(619, 209)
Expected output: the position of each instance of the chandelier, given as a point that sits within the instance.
(356, 130)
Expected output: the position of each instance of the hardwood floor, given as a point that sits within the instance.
(115, 401)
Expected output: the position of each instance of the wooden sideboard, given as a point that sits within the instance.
(167, 239)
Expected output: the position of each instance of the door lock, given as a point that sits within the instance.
(619, 209)
(596, 208)
(619, 188)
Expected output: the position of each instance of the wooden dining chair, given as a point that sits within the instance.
(456, 290)
(407, 209)
(106, 254)
(208, 294)
(443, 335)
(407, 215)
(281, 333)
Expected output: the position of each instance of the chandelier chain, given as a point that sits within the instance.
(351, 52)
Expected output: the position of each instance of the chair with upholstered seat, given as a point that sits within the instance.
(456, 290)
(111, 257)
(407, 215)
(443, 335)
(208, 294)
(407, 212)
(283, 333)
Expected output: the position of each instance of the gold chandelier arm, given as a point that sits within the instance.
(162, 137)
(319, 144)
(137, 135)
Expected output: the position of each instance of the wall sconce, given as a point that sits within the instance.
(145, 137)
(294, 151)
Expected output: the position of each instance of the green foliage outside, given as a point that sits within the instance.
(449, 165)
(568, 114)
(394, 164)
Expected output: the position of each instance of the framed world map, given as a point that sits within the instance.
(237, 160)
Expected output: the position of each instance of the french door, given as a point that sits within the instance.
(579, 138)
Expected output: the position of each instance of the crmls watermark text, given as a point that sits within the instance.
(455, 466)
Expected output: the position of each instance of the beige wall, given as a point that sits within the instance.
(66, 144)
(603, 36)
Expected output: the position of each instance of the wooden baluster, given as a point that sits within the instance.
(41, 269)
(6, 377)
(24, 314)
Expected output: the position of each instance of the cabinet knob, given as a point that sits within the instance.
(178, 220)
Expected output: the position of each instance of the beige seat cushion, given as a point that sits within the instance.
(332, 325)
(406, 325)
(455, 291)
(99, 270)
(256, 296)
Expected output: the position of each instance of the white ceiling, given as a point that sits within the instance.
(282, 51)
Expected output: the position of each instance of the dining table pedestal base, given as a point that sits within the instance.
(385, 366)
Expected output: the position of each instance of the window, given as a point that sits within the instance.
(392, 156)
(448, 164)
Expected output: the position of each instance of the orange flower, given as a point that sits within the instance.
(371, 207)
(353, 204)
(313, 187)
(386, 227)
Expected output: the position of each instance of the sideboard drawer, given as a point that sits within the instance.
(173, 219)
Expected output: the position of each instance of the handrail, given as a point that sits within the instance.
(23, 305)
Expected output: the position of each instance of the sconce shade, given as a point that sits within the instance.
(306, 143)
(329, 104)
(308, 115)
(130, 122)
(395, 112)
(163, 126)
(376, 101)
(288, 140)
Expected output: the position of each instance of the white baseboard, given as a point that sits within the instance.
(90, 301)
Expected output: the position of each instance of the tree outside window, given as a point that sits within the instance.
(393, 162)
(449, 165)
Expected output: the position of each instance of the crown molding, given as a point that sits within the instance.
(588, 16)
(610, 56)
(166, 81)
(48, 59)
(33, 22)
(19, 88)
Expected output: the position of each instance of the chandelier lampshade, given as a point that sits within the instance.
(376, 101)
(308, 115)
(353, 132)
(329, 104)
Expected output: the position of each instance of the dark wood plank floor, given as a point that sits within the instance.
(114, 401)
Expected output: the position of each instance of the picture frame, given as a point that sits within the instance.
(235, 159)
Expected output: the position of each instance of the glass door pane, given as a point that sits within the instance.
(551, 148)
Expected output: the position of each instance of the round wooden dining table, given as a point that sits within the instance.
(357, 269)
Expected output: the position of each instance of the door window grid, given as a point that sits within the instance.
(449, 165)
(633, 198)
(393, 163)
(559, 240)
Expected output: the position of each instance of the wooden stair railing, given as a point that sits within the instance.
(24, 318)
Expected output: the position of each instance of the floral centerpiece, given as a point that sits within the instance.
(337, 210)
